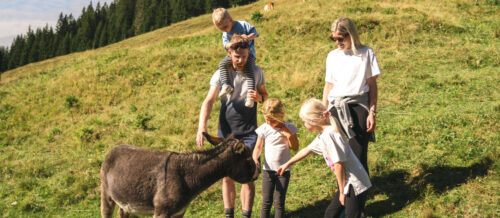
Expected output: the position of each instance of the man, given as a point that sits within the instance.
(235, 118)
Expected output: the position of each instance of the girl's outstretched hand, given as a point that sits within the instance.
(281, 170)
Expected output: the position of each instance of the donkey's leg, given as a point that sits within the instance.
(160, 213)
(166, 211)
(180, 213)
(107, 205)
(161, 216)
(123, 214)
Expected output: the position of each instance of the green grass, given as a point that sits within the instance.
(437, 122)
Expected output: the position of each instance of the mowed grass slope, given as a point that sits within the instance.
(437, 123)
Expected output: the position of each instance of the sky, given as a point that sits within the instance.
(17, 15)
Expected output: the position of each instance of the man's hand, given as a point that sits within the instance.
(199, 138)
(254, 95)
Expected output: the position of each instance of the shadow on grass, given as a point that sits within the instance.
(402, 189)
(317, 209)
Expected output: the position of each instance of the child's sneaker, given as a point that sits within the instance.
(249, 102)
(225, 91)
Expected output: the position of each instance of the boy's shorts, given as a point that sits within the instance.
(249, 139)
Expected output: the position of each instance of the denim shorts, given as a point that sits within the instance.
(249, 139)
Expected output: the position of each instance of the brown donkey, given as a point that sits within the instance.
(162, 183)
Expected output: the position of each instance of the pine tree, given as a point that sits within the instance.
(125, 10)
(17, 53)
(45, 43)
(97, 35)
(209, 5)
(103, 38)
(51, 43)
(149, 16)
(223, 3)
(162, 14)
(65, 45)
(198, 7)
(179, 12)
(140, 10)
(72, 25)
(3, 59)
(72, 30)
(33, 46)
(62, 26)
(86, 29)
(27, 55)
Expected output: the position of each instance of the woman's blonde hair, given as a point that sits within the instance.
(312, 112)
(274, 109)
(345, 26)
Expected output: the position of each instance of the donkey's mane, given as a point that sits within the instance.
(202, 156)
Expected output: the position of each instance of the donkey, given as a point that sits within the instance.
(163, 183)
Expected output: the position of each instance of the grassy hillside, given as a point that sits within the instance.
(437, 124)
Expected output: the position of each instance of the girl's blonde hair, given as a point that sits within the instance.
(274, 109)
(220, 15)
(312, 112)
(345, 26)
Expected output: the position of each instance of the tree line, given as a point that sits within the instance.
(105, 24)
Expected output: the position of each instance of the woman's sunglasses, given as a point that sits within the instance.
(340, 39)
(241, 45)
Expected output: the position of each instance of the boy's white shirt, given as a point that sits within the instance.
(334, 145)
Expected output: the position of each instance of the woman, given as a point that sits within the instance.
(350, 91)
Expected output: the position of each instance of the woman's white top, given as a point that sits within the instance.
(335, 148)
(276, 150)
(348, 71)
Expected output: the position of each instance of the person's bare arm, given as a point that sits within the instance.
(299, 156)
(252, 36)
(206, 109)
(257, 150)
(326, 90)
(370, 120)
(292, 142)
(339, 173)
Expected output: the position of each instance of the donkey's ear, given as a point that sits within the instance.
(212, 139)
(230, 136)
(239, 148)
